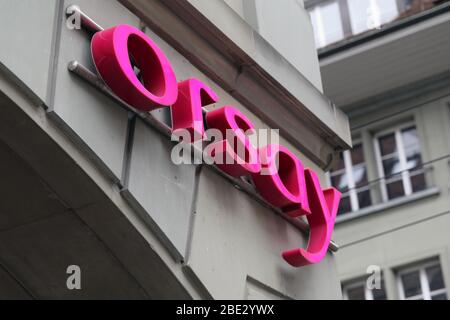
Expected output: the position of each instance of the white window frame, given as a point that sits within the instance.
(405, 174)
(348, 171)
(424, 284)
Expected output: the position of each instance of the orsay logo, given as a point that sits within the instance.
(279, 176)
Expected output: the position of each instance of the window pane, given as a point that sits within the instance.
(379, 294)
(360, 176)
(388, 144)
(345, 205)
(331, 19)
(327, 24)
(411, 284)
(359, 14)
(370, 14)
(391, 166)
(388, 10)
(410, 138)
(395, 189)
(356, 293)
(339, 164)
(364, 199)
(340, 181)
(441, 296)
(313, 14)
(357, 154)
(435, 279)
(413, 158)
(407, 3)
(418, 182)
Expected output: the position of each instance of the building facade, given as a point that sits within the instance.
(92, 205)
(386, 65)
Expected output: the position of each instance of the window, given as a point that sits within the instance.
(334, 20)
(423, 282)
(326, 21)
(407, 4)
(349, 176)
(359, 291)
(371, 14)
(400, 162)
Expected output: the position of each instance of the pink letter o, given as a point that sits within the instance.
(112, 50)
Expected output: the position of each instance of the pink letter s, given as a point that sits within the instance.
(230, 119)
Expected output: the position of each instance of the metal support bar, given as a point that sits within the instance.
(85, 20)
(85, 74)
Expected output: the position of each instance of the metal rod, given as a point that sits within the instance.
(85, 20)
(94, 80)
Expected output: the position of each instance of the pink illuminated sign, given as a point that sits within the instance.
(288, 186)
